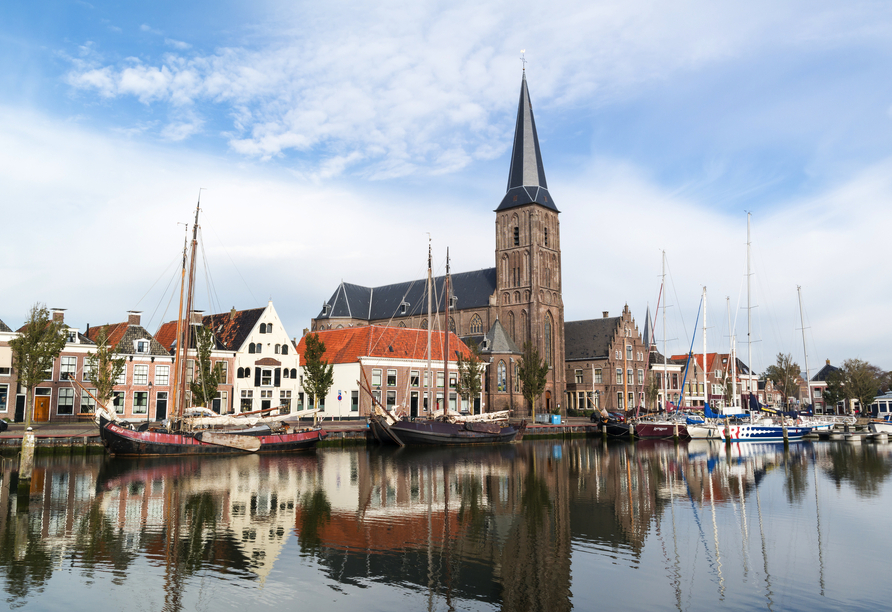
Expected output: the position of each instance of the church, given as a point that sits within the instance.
(500, 308)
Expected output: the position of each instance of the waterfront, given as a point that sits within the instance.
(542, 525)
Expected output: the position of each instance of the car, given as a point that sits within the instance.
(617, 417)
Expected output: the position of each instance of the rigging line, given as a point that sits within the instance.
(161, 300)
(677, 301)
(239, 272)
(175, 260)
(208, 281)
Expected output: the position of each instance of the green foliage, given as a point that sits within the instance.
(318, 374)
(652, 392)
(204, 386)
(861, 381)
(533, 373)
(104, 367)
(469, 382)
(785, 375)
(834, 393)
(35, 351)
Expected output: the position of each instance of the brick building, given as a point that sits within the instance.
(523, 291)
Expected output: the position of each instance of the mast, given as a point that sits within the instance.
(733, 357)
(804, 348)
(705, 371)
(446, 348)
(665, 370)
(179, 340)
(430, 398)
(187, 323)
(749, 316)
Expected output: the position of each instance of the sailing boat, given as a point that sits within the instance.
(447, 428)
(763, 429)
(198, 435)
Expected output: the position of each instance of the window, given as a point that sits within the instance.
(391, 400)
(546, 236)
(276, 350)
(266, 377)
(631, 399)
(817, 393)
(224, 371)
(190, 370)
(476, 325)
(72, 336)
(404, 306)
(4, 397)
(140, 375)
(140, 402)
(247, 400)
(502, 382)
(294, 374)
(413, 378)
(516, 378)
(423, 324)
(391, 378)
(376, 378)
(629, 378)
(162, 375)
(354, 401)
(122, 378)
(578, 377)
(118, 401)
(616, 355)
(619, 376)
(619, 400)
(548, 340)
(453, 380)
(258, 348)
(300, 400)
(516, 236)
(675, 380)
(440, 379)
(285, 401)
(266, 399)
(598, 378)
(66, 401)
(141, 346)
(88, 371)
(284, 349)
(263, 328)
(68, 368)
(251, 347)
(88, 404)
(640, 377)
(629, 352)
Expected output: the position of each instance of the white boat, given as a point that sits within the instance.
(880, 426)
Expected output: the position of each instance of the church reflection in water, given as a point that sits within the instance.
(497, 526)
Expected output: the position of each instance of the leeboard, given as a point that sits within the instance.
(249, 444)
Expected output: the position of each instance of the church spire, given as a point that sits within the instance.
(526, 175)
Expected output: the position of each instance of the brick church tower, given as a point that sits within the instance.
(528, 255)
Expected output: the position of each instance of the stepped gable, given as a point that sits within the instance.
(526, 174)
(122, 335)
(589, 339)
(471, 290)
(348, 344)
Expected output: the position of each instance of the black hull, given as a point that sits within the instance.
(127, 442)
(615, 430)
(449, 434)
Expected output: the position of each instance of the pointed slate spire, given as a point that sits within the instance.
(648, 333)
(526, 175)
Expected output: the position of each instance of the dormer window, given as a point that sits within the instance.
(326, 309)
(453, 301)
(141, 346)
(72, 336)
(404, 308)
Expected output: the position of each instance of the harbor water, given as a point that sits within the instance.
(545, 525)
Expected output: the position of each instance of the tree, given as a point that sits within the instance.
(652, 391)
(833, 393)
(204, 387)
(532, 372)
(318, 374)
(469, 383)
(785, 375)
(35, 351)
(104, 367)
(861, 381)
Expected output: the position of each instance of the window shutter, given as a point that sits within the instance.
(256, 377)
(278, 377)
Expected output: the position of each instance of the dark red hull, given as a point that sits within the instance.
(121, 441)
(661, 430)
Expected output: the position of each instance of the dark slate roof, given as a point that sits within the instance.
(589, 339)
(471, 290)
(4, 327)
(648, 335)
(824, 372)
(526, 174)
(497, 340)
(230, 329)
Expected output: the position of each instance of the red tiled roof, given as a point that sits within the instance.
(712, 360)
(116, 331)
(347, 345)
(230, 329)
(166, 334)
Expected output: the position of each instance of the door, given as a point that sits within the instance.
(19, 408)
(413, 404)
(161, 406)
(476, 405)
(548, 402)
(41, 408)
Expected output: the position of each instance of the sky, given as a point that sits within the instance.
(331, 141)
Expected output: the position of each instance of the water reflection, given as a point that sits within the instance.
(533, 526)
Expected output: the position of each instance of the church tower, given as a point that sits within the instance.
(528, 255)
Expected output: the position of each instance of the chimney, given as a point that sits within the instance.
(306, 331)
(605, 313)
(133, 317)
(828, 362)
(232, 314)
(58, 315)
(196, 317)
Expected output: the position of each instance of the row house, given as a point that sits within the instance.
(392, 363)
(8, 387)
(668, 375)
(606, 362)
(712, 384)
(814, 392)
(260, 365)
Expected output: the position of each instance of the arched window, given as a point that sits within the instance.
(285, 373)
(263, 328)
(548, 351)
(402, 324)
(277, 349)
(524, 327)
(423, 323)
(284, 349)
(511, 329)
(258, 348)
(452, 325)
(546, 235)
(247, 372)
(293, 373)
(269, 328)
(516, 377)
(250, 347)
(476, 324)
(502, 381)
(241, 373)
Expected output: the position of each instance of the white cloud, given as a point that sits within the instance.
(177, 44)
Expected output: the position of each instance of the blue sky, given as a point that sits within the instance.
(332, 138)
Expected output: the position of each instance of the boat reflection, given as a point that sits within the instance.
(498, 526)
